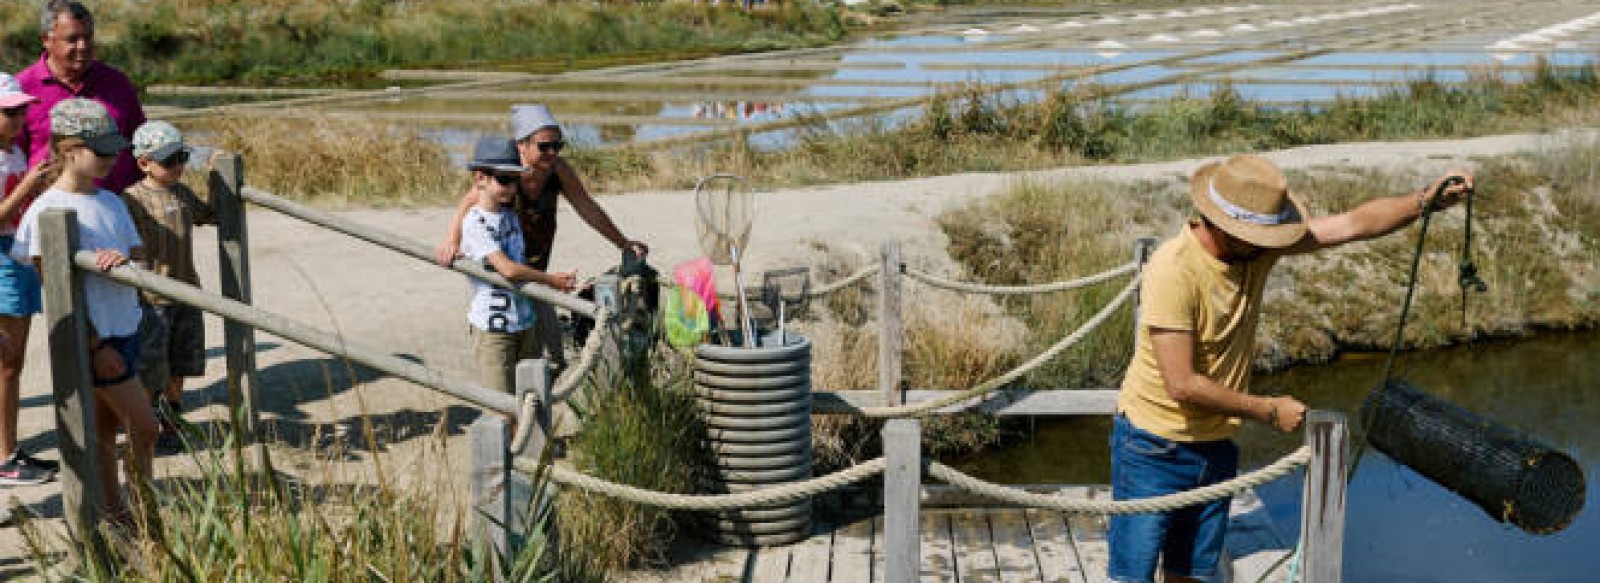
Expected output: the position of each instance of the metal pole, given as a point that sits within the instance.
(1322, 514)
(67, 316)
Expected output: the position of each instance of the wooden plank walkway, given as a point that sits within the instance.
(967, 545)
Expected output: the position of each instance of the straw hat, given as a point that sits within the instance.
(1248, 197)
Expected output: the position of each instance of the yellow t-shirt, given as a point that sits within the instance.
(1185, 288)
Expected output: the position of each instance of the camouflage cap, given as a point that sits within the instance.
(157, 140)
(88, 120)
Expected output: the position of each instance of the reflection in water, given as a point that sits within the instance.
(1403, 527)
(739, 109)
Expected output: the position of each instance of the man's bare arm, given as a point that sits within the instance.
(1174, 351)
(1379, 217)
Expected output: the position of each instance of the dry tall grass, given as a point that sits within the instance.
(340, 162)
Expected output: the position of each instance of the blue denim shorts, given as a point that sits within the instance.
(1187, 541)
(128, 348)
(19, 283)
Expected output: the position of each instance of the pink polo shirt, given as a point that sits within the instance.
(101, 83)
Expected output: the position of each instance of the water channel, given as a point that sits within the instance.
(1402, 527)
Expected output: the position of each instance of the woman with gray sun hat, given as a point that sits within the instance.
(550, 177)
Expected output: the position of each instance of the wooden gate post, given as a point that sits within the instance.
(891, 341)
(902, 490)
(1142, 247)
(239, 340)
(67, 316)
(489, 438)
(1322, 512)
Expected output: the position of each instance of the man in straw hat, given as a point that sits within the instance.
(1187, 389)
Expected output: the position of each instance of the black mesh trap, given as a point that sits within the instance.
(1510, 475)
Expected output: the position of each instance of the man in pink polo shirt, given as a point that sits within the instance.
(68, 69)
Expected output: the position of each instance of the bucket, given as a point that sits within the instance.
(756, 404)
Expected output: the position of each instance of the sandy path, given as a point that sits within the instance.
(410, 307)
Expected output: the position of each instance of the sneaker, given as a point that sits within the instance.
(18, 473)
(46, 465)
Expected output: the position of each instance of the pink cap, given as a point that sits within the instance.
(11, 94)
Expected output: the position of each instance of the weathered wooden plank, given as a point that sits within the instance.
(727, 567)
(974, 548)
(891, 343)
(1015, 558)
(771, 565)
(1002, 403)
(937, 563)
(1322, 517)
(226, 184)
(1058, 561)
(811, 558)
(852, 553)
(946, 496)
(488, 481)
(902, 484)
(1089, 536)
(67, 318)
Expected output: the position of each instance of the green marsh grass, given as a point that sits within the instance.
(217, 524)
(281, 42)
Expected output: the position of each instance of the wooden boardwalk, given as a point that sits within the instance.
(969, 545)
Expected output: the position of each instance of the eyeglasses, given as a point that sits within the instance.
(505, 179)
(177, 158)
(15, 111)
(547, 147)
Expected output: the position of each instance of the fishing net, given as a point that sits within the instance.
(1508, 474)
(724, 211)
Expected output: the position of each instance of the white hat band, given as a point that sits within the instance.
(1245, 214)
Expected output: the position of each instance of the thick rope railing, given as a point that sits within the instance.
(840, 284)
(1169, 502)
(779, 494)
(979, 288)
(925, 407)
(568, 381)
(796, 491)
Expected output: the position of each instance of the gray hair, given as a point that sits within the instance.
(53, 9)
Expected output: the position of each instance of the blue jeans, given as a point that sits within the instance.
(1187, 541)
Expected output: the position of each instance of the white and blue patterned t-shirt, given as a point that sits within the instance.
(482, 234)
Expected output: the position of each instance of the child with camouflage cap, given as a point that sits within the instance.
(84, 144)
(165, 210)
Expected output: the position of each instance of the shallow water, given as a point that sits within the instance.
(1402, 526)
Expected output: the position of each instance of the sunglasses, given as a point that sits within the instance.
(546, 147)
(505, 179)
(15, 111)
(177, 158)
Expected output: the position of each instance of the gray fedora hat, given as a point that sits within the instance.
(526, 119)
(496, 154)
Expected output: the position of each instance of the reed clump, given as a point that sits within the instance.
(277, 42)
(339, 162)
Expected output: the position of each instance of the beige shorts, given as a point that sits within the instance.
(497, 354)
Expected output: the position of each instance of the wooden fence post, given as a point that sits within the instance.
(489, 481)
(68, 319)
(1322, 512)
(891, 341)
(239, 340)
(533, 377)
(1142, 247)
(902, 489)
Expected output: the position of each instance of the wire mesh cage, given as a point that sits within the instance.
(1510, 475)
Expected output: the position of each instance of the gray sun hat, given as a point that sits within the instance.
(496, 154)
(526, 119)
(157, 140)
(89, 121)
